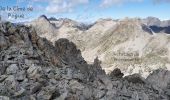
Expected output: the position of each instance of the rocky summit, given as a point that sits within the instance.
(32, 68)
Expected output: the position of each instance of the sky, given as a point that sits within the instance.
(84, 10)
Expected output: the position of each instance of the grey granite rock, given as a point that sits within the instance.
(32, 68)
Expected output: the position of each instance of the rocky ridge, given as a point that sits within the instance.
(32, 68)
(130, 44)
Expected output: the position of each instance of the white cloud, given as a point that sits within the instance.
(59, 6)
(108, 3)
(56, 6)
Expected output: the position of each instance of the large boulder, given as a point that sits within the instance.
(160, 78)
(135, 78)
(116, 73)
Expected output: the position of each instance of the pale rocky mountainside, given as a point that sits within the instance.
(32, 68)
(129, 44)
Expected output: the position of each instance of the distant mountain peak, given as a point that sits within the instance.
(43, 17)
(104, 19)
(52, 19)
(65, 19)
(153, 18)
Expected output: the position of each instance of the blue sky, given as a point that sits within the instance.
(88, 10)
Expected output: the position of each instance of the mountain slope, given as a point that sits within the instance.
(129, 44)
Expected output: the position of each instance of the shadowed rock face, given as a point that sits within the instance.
(158, 29)
(32, 68)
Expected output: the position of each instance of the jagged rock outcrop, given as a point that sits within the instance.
(31, 68)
